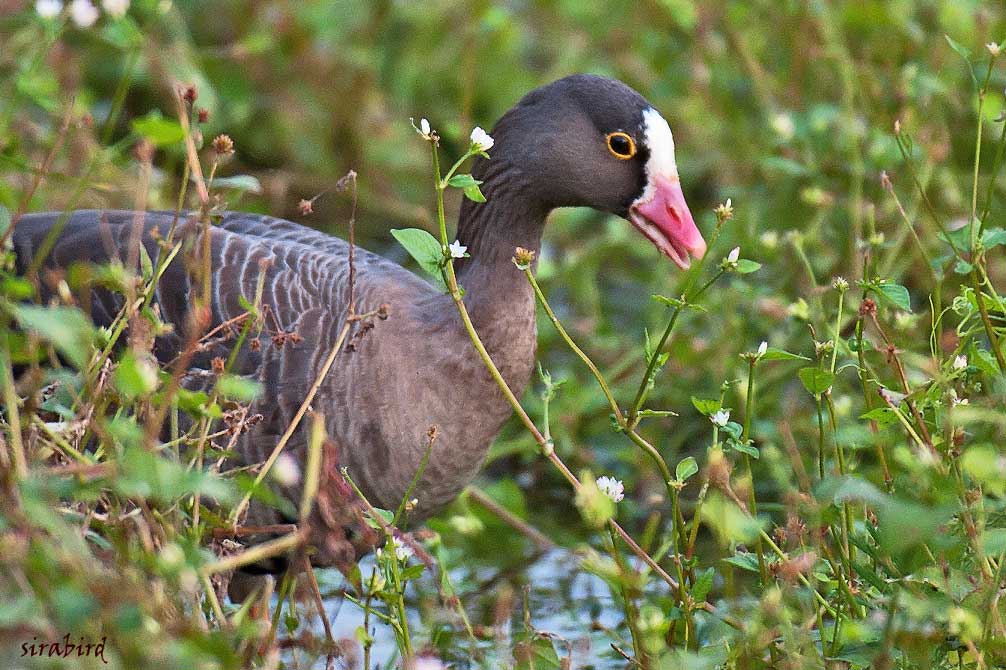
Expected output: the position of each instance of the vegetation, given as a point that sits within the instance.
(809, 427)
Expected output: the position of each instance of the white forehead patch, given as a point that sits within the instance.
(661, 144)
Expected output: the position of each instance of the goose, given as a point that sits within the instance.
(584, 140)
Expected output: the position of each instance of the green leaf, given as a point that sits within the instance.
(386, 515)
(135, 377)
(238, 388)
(744, 561)
(983, 359)
(197, 403)
(123, 33)
(960, 238)
(670, 302)
(786, 166)
(962, 267)
(244, 183)
(421, 246)
(746, 448)
(474, 193)
(733, 429)
(895, 294)
(816, 380)
(884, 416)
(984, 463)
(837, 490)
(773, 354)
(685, 469)
(4, 219)
(904, 524)
(729, 522)
(706, 406)
(994, 540)
(964, 53)
(463, 181)
(994, 237)
(703, 585)
(961, 50)
(159, 130)
(534, 651)
(677, 303)
(413, 572)
(16, 288)
(745, 266)
(65, 327)
(72, 606)
(145, 474)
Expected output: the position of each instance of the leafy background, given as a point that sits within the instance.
(787, 108)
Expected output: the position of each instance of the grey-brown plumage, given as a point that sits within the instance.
(418, 368)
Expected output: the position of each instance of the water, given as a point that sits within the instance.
(573, 606)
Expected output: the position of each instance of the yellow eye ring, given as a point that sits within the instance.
(621, 145)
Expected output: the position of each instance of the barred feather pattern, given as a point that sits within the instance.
(415, 370)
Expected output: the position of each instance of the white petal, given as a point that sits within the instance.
(481, 139)
(734, 254)
(424, 125)
(286, 471)
(49, 9)
(611, 487)
(115, 8)
(720, 418)
(83, 13)
(762, 348)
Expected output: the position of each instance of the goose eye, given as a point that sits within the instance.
(621, 145)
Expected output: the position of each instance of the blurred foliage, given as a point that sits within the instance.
(786, 107)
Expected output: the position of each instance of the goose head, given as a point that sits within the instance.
(591, 141)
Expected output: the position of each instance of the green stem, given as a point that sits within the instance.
(631, 612)
(450, 279)
(647, 381)
(752, 499)
(572, 345)
(982, 92)
(838, 329)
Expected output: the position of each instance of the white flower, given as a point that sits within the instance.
(720, 418)
(955, 401)
(423, 129)
(83, 13)
(402, 551)
(994, 48)
(115, 8)
(840, 283)
(734, 254)
(725, 211)
(612, 488)
(960, 362)
(784, 126)
(762, 348)
(481, 140)
(457, 249)
(428, 663)
(286, 471)
(49, 9)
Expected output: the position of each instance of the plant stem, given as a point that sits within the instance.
(450, 279)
